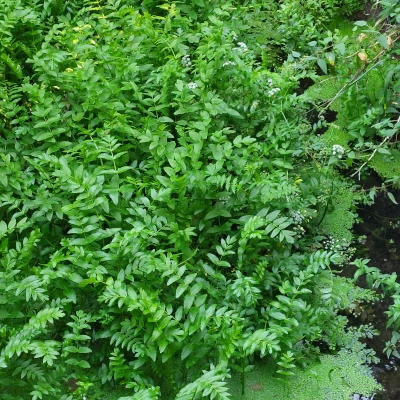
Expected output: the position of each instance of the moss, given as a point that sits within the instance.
(345, 27)
(335, 135)
(387, 166)
(324, 90)
(340, 220)
(346, 294)
(350, 294)
(334, 377)
(100, 393)
(374, 86)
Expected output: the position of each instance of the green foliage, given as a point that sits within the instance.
(335, 134)
(302, 22)
(363, 93)
(387, 165)
(339, 221)
(163, 207)
(324, 89)
(211, 384)
(331, 377)
(351, 295)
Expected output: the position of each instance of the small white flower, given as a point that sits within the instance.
(273, 91)
(192, 85)
(297, 217)
(338, 150)
(228, 63)
(269, 80)
(242, 47)
(186, 61)
(254, 105)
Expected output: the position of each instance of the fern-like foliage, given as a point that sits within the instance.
(211, 384)
(151, 207)
(143, 394)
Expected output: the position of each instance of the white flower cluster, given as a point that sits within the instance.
(336, 244)
(242, 47)
(254, 105)
(273, 91)
(234, 36)
(186, 63)
(224, 200)
(228, 63)
(297, 217)
(340, 246)
(300, 231)
(192, 85)
(338, 150)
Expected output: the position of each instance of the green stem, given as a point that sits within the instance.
(243, 377)
(326, 207)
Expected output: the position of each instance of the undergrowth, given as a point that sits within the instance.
(168, 215)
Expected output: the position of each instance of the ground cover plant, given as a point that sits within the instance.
(170, 215)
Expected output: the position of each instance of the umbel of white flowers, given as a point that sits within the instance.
(242, 47)
(337, 150)
(192, 85)
(228, 63)
(273, 91)
(186, 63)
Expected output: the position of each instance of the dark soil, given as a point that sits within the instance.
(381, 227)
(371, 11)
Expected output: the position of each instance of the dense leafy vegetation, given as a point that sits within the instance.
(176, 195)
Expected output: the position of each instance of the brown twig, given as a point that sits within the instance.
(357, 76)
(372, 155)
(369, 158)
